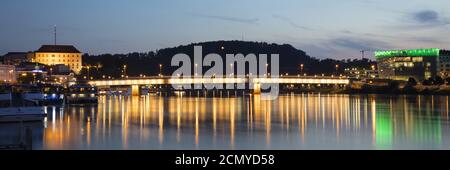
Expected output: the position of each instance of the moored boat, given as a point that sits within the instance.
(22, 114)
(82, 94)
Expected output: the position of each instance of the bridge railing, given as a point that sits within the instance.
(200, 80)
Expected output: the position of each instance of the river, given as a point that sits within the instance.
(292, 122)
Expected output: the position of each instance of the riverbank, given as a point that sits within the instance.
(407, 89)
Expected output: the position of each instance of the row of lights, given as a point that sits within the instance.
(196, 74)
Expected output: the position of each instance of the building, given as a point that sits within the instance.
(420, 64)
(28, 72)
(361, 73)
(444, 63)
(7, 74)
(15, 58)
(59, 69)
(59, 54)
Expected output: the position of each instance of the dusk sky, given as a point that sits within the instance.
(322, 28)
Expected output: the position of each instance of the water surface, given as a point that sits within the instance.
(293, 122)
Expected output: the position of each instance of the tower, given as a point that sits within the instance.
(54, 34)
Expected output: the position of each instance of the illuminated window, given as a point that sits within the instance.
(417, 59)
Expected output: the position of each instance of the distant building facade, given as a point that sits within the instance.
(420, 64)
(444, 63)
(59, 69)
(16, 58)
(361, 73)
(59, 54)
(7, 74)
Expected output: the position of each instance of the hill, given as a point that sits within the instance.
(148, 63)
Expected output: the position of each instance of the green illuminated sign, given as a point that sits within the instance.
(432, 52)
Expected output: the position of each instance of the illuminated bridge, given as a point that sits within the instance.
(136, 82)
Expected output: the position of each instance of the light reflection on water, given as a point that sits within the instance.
(303, 121)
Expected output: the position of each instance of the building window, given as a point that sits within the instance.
(417, 59)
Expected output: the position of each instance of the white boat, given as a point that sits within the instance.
(22, 114)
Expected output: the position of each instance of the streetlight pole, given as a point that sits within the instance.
(267, 71)
(125, 70)
(232, 70)
(337, 68)
(34, 78)
(88, 72)
(195, 71)
(301, 69)
(160, 70)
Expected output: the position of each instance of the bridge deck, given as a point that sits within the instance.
(237, 80)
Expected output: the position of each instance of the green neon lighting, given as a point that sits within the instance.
(431, 52)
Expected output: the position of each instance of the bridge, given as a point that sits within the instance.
(159, 80)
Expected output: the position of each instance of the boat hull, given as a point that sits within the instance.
(26, 114)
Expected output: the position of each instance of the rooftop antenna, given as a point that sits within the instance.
(54, 32)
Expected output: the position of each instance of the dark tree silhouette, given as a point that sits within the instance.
(439, 81)
(412, 81)
(148, 63)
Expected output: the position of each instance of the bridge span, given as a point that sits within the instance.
(141, 81)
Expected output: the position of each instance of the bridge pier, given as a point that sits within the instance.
(135, 90)
(256, 88)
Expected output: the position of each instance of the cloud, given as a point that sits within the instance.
(428, 18)
(231, 19)
(290, 22)
(411, 38)
(347, 32)
(430, 40)
(359, 43)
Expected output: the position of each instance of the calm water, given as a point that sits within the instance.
(302, 121)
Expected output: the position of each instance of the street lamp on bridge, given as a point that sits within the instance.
(337, 69)
(125, 69)
(232, 70)
(195, 71)
(160, 70)
(301, 68)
